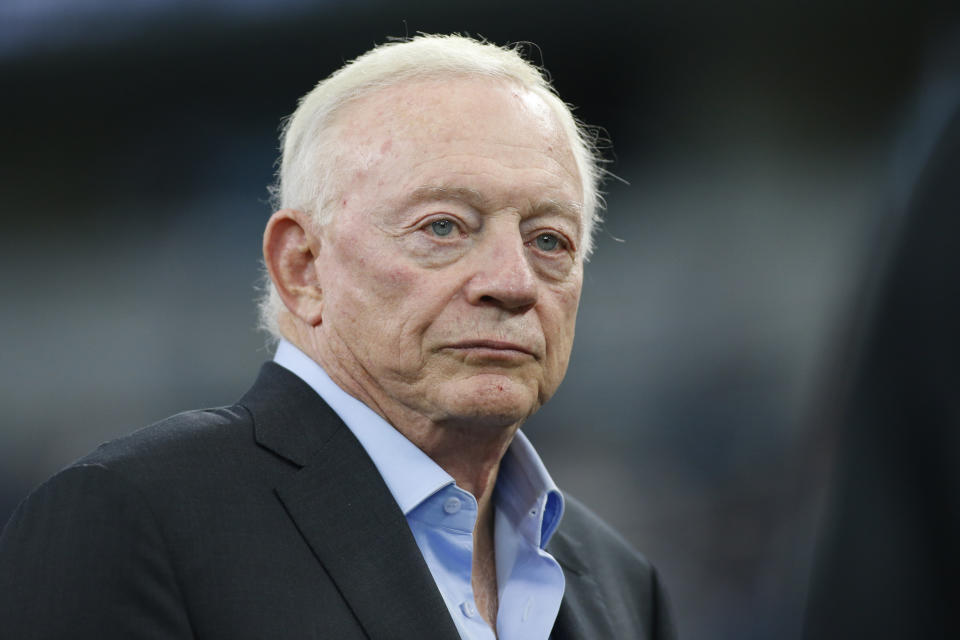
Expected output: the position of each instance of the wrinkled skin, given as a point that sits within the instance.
(451, 272)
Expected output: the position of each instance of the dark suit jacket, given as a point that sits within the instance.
(265, 519)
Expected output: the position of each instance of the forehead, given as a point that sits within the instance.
(409, 127)
(444, 105)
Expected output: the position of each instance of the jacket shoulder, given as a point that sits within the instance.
(189, 436)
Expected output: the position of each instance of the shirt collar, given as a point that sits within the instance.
(525, 488)
(523, 483)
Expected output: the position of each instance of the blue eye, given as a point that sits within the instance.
(442, 227)
(547, 242)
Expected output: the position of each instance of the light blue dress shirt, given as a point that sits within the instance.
(527, 510)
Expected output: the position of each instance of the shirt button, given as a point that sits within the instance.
(526, 610)
(468, 609)
(451, 505)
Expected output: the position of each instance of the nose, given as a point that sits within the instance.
(502, 274)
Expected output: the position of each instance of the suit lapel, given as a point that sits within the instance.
(582, 615)
(344, 511)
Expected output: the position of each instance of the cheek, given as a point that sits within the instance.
(371, 270)
(377, 292)
(566, 300)
(561, 323)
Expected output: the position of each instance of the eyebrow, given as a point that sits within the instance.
(567, 209)
(470, 196)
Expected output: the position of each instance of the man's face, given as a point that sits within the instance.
(451, 271)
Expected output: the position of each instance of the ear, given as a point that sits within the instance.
(290, 249)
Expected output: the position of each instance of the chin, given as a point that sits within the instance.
(493, 399)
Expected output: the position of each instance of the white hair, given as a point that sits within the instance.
(306, 178)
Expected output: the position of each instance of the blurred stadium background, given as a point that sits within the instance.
(762, 150)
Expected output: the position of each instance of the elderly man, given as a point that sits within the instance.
(436, 208)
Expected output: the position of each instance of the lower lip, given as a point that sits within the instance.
(490, 353)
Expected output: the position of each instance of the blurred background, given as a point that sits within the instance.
(764, 151)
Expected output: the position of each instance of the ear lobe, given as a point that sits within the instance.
(290, 249)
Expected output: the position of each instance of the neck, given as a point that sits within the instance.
(471, 454)
(469, 450)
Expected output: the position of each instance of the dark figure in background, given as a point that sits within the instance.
(890, 550)
(436, 206)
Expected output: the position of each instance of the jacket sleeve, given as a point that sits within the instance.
(84, 557)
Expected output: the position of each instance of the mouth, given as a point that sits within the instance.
(493, 349)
